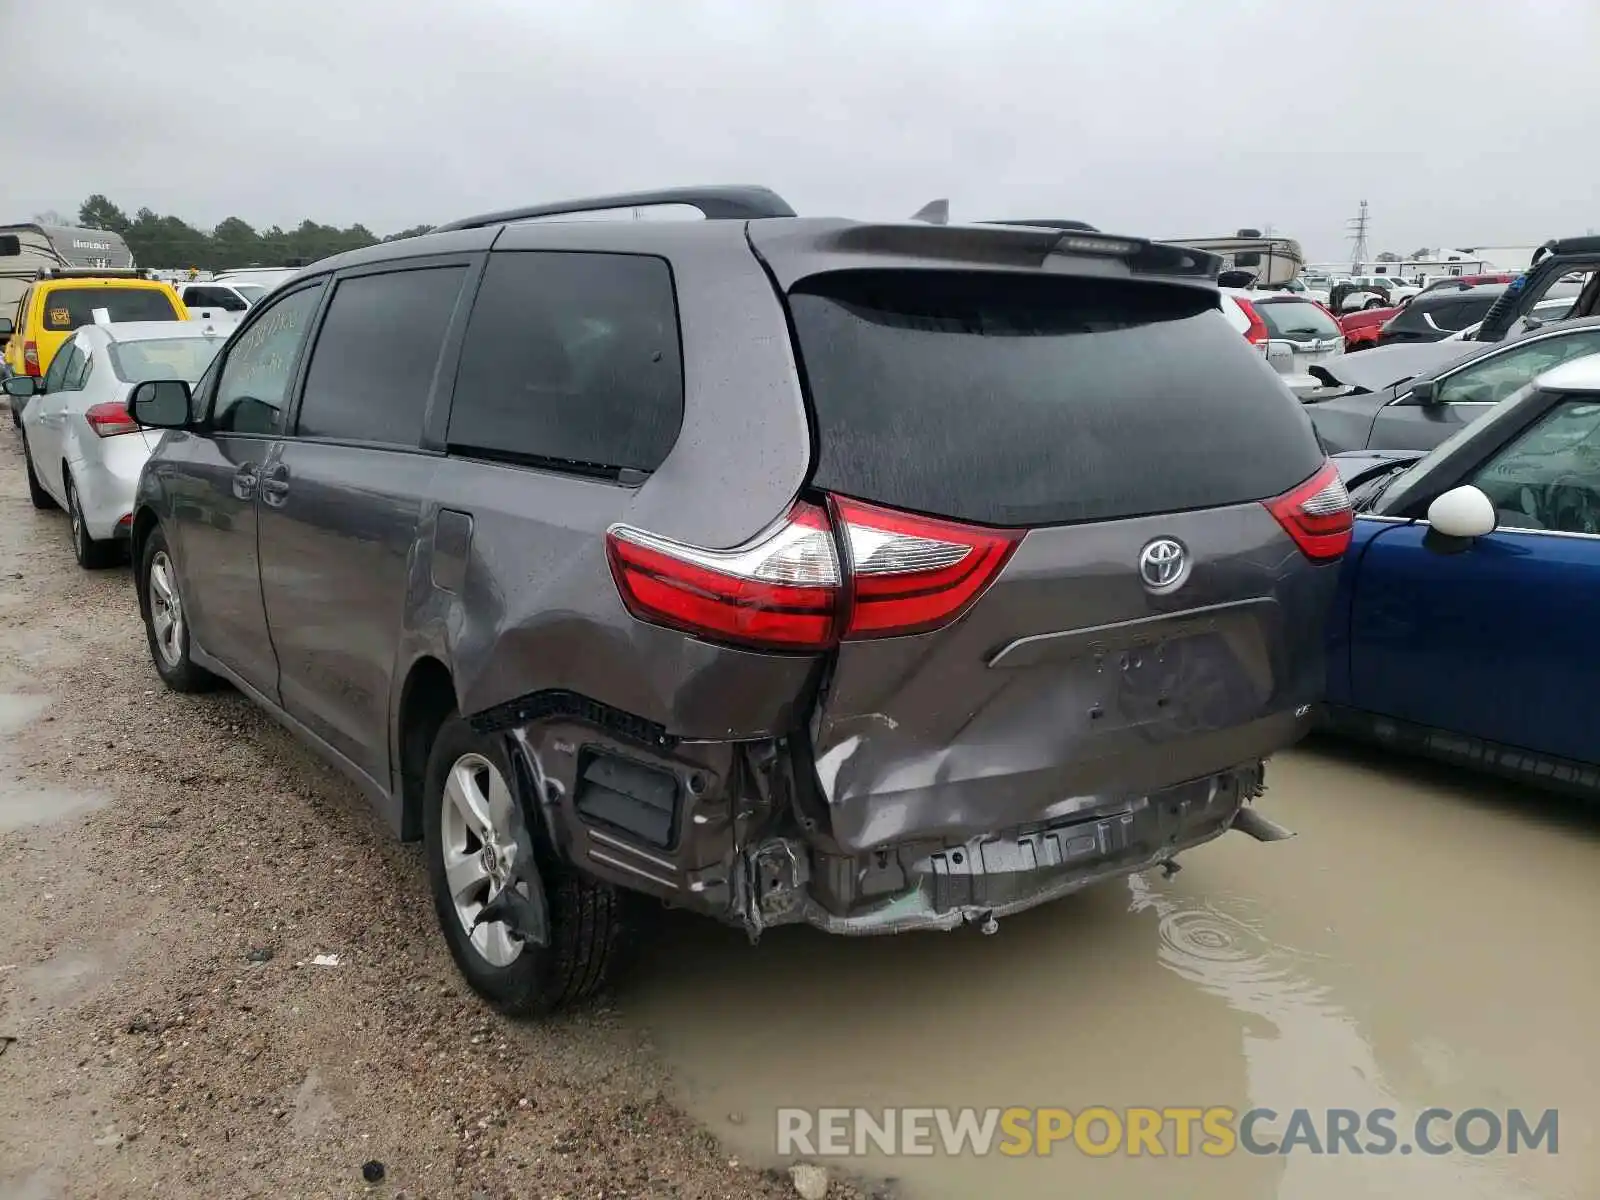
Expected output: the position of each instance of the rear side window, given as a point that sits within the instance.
(73, 307)
(1016, 400)
(1297, 321)
(213, 297)
(1458, 314)
(374, 359)
(571, 360)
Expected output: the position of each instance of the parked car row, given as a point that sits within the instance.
(672, 559)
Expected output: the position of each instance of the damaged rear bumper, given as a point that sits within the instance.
(725, 829)
(943, 885)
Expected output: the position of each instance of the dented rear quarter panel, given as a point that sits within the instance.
(538, 609)
(1105, 691)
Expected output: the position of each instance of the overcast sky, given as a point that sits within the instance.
(1461, 121)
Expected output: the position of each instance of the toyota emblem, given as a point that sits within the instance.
(1162, 564)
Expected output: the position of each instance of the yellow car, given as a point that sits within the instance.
(60, 301)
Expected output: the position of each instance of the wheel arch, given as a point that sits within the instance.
(427, 699)
(145, 522)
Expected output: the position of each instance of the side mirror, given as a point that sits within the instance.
(1425, 391)
(161, 404)
(23, 386)
(1463, 512)
(6, 327)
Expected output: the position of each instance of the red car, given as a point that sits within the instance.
(1361, 328)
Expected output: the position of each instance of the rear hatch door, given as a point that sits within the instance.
(1154, 623)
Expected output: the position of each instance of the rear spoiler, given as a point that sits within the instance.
(1079, 237)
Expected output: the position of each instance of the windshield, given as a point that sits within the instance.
(164, 358)
(1297, 320)
(250, 291)
(67, 308)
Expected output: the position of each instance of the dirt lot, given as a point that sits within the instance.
(165, 1031)
(171, 867)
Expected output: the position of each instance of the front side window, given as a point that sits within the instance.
(571, 360)
(374, 360)
(78, 372)
(254, 384)
(1549, 478)
(65, 362)
(67, 308)
(1497, 376)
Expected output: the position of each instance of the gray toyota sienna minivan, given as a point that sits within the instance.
(875, 576)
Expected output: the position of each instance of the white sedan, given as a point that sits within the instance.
(83, 450)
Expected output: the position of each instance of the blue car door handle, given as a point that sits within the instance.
(275, 485)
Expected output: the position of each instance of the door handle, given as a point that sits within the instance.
(275, 484)
(244, 482)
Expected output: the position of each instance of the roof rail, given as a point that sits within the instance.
(94, 273)
(717, 203)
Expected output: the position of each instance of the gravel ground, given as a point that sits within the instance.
(163, 1029)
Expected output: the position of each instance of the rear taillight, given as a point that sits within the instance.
(1257, 333)
(110, 419)
(780, 590)
(1317, 515)
(909, 574)
(30, 358)
(787, 589)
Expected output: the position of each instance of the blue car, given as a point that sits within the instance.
(1467, 622)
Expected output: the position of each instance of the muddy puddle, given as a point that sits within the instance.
(25, 803)
(1427, 941)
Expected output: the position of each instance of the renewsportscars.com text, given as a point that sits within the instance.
(1213, 1132)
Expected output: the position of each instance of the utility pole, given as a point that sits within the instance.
(1358, 235)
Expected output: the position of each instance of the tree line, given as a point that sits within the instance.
(167, 241)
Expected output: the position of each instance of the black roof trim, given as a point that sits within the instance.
(717, 202)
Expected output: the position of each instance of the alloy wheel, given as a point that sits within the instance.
(479, 849)
(166, 609)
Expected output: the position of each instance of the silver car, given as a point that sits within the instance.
(1293, 334)
(83, 450)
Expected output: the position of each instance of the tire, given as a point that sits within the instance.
(1375, 304)
(92, 554)
(36, 493)
(588, 931)
(170, 654)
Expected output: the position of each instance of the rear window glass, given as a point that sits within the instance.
(1015, 400)
(571, 361)
(71, 308)
(1297, 320)
(164, 358)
